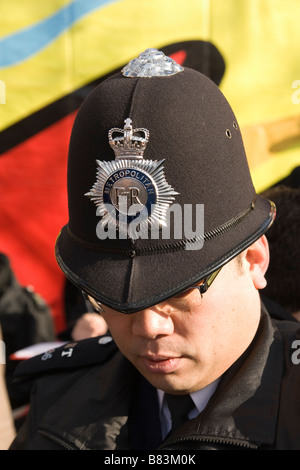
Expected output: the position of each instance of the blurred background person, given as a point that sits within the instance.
(81, 319)
(25, 319)
(283, 275)
(7, 428)
(89, 325)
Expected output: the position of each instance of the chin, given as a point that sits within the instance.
(169, 384)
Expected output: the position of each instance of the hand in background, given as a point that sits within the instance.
(89, 325)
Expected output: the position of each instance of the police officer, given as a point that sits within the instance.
(166, 239)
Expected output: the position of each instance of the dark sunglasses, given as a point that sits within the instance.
(202, 286)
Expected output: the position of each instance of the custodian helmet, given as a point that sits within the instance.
(155, 134)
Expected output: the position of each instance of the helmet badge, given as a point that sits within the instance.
(131, 191)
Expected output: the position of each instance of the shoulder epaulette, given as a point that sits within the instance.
(71, 355)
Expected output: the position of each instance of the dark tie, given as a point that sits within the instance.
(179, 406)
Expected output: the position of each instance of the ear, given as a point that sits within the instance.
(258, 256)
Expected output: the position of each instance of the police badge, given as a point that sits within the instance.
(130, 193)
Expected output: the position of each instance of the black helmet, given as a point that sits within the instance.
(158, 136)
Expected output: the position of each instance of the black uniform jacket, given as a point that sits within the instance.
(87, 396)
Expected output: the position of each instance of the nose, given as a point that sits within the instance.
(151, 323)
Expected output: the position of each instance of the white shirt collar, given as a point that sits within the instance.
(200, 398)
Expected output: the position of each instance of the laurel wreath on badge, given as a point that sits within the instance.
(130, 188)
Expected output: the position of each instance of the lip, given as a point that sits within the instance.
(161, 364)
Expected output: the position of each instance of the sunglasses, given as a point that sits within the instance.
(201, 286)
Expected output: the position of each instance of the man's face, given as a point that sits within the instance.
(185, 343)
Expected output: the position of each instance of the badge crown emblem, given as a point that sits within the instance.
(128, 143)
(130, 191)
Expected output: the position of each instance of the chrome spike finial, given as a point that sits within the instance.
(151, 63)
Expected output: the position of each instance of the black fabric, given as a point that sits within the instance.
(292, 180)
(71, 355)
(275, 310)
(25, 319)
(179, 406)
(144, 422)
